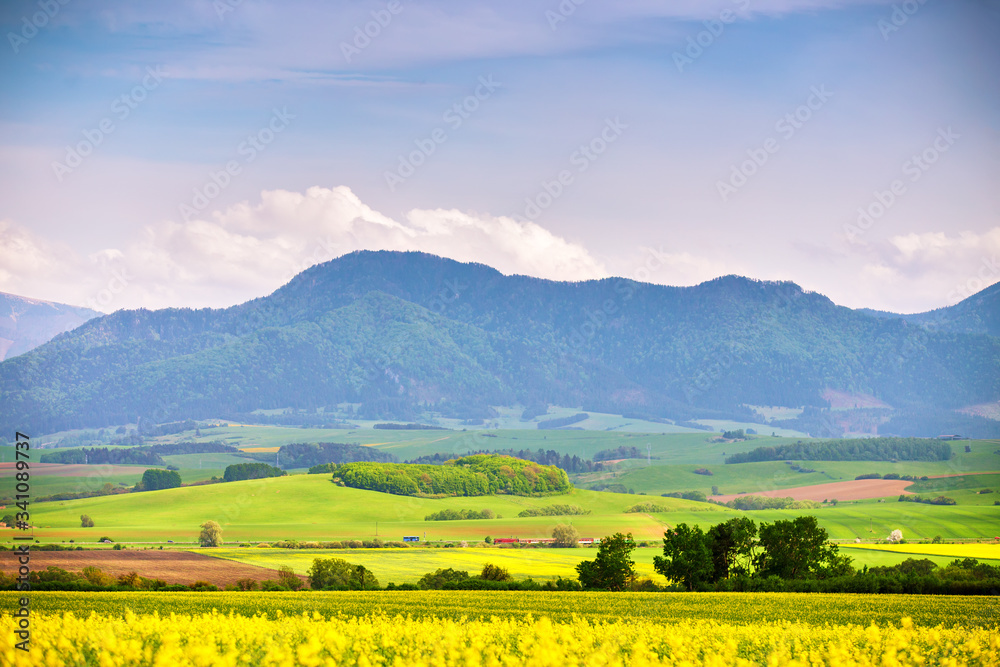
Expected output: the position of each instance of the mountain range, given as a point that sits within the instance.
(27, 323)
(401, 335)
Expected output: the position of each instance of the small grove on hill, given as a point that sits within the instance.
(571, 464)
(477, 475)
(867, 449)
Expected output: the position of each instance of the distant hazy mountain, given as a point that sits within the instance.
(27, 323)
(978, 314)
(403, 333)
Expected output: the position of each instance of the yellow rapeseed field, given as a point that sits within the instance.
(978, 551)
(211, 639)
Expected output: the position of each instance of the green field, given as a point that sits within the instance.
(311, 507)
(671, 474)
(738, 608)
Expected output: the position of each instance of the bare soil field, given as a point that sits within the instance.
(174, 567)
(845, 400)
(855, 489)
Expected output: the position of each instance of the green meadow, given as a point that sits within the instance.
(311, 507)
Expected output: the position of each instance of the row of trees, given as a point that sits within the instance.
(861, 449)
(571, 464)
(313, 454)
(241, 471)
(460, 515)
(789, 549)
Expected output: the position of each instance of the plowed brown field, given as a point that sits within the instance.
(174, 567)
(855, 489)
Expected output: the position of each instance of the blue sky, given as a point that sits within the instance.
(592, 146)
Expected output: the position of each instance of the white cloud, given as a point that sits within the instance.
(248, 250)
(933, 269)
(33, 267)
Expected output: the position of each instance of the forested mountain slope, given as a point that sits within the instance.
(403, 332)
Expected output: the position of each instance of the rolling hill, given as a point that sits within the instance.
(399, 334)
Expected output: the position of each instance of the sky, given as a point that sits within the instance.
(200, 153)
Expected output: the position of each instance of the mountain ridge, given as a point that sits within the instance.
(400, 333)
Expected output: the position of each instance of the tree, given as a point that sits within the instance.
(155, 479)
(686, 556)
(288, 579)
(794, 549)
(96, 576)
(362, 579)
(566, 536)
(211, 534)
(732, 546)
(330, 573)
(9, 520)
(86, 521)
(440, 577)
(493, 572)
(613, 569)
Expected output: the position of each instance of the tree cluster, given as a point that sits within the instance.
(338, 574)
(559, 509)
(571, 464)
(561, 422)
(318, 454)
(476, 475)
(613, 569)
(460, 515)
(140, 456)
(915, 498)
(241, 471)
(788, 549)
(860, 449)
(622, 452)
(752, 503)
(155, 479)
